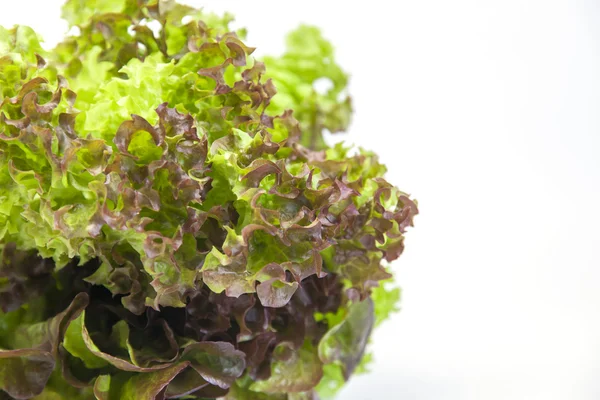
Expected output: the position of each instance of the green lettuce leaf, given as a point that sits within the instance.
(346, 342)
(293, 370)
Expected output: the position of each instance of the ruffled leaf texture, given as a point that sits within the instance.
(173, 224)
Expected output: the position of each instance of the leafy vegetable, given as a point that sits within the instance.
(173, 224)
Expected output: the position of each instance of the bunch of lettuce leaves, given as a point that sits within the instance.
(172, 222)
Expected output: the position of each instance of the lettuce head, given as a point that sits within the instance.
(172, 222)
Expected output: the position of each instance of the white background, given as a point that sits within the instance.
(488, 112)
